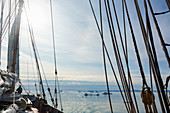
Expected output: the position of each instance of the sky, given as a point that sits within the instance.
(78, 44)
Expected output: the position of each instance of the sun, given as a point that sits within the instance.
(38, 12)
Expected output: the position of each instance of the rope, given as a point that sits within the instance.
(125, 38)
(166, 55)
(135, 46)
(153, 104)
(148, 50)
(125, 54)
(5, 23)
(28, 77)
(9, 24)
(2, 11)
(56, 78)
(168, 3)
(43, 72)
(154, 66)
(104, 60)
(148, 27)
(155, 59)
(36, 57)
(118, 58)
(24, 88)
(9, 19)
(128, 109)
(148, 96)
(14, 91)
(48, 88)
(160, 34)
(167, 44)
(33, 68)
(160, 13)
(29, 30)
(166, 88)
(124, 26)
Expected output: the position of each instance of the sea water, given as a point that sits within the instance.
(74, 100)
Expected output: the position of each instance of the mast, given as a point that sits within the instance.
(13, 43)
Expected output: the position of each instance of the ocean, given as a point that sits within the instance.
(74, 100)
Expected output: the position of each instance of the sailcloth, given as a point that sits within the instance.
(8, 79)
(13, 44)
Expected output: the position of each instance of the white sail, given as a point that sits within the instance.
(13, 43)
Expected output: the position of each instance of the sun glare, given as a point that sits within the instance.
(38, 14)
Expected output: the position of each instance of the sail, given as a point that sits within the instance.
(7, 81)
(13, 43)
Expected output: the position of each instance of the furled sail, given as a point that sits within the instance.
(13, 43)
(7, 81)
(10, 77)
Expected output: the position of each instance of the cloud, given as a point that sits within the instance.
(78, 44)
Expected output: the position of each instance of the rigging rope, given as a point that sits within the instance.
(150, 48)
(101, 36)
(48, 88)
(125, 54)
(151, 37)
(5, 23)
(24, 88)
(35, 55)
(154, 64)
(33, 68)
(56, 76)
(18, 48)
(2, 11)
(124, 28)
(168, 3)
(118, 57)
(31, 55)
(9, 19)
(28, 77)
(135, 46)
(151, 82)
(160, 13)
(166, 55)
(104, 60)
(149, 31)
(38, 56)
(160, 34)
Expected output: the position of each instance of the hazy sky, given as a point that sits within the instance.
(78, 44)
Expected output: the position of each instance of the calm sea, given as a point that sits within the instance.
(74, 101)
